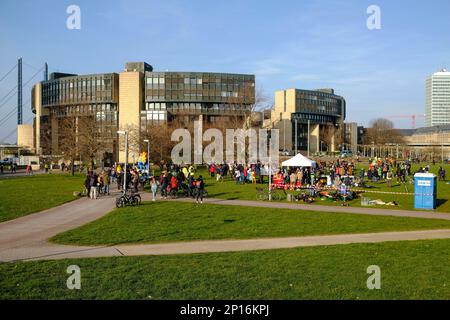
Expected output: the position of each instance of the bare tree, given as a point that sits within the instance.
(332, 135)
(262, 102)
(382, 132)
(68, 140)
(90, 140)
(159, 134)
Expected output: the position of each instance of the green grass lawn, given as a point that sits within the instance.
(175, 221)
(229, 190)
(25, 195)
(409, 270)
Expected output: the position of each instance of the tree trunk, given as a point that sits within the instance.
(72, 167)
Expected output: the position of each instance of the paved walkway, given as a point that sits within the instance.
(25, 238)
(322, 208)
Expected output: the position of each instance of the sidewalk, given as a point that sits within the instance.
(54, 252)
(321, 208)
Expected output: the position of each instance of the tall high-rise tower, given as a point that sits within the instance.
(437, 109)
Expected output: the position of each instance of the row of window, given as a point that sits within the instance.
(319, 109)
(194, 106)
(78, 89)
(227, 92)
(153, 115)
(314, 117)
(85, 109)
(199, 98)
(206, 77)
(211, 86)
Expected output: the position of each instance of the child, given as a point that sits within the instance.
(154, 187)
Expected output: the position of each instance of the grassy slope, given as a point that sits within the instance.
(174, 221)
(409, 270)
(22, 196)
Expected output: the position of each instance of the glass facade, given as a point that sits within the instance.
(165, 96)
(319, 108)
(91, 97)
(169, 95)
(437, 109)
(80, 89)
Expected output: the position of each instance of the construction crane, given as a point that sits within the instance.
(413, 117)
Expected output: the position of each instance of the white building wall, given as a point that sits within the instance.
(437, 109)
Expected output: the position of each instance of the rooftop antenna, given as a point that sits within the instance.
(46, 72)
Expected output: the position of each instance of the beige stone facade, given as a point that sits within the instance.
(25, 136)
(130, 106)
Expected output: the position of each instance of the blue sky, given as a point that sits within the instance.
(303, 43)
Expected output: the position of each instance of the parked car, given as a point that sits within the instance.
(7, 161)
(286, 153)
(346, 153)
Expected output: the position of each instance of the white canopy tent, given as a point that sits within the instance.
(299, 161)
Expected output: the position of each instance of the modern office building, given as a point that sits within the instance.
(437, 110)
(133, 100)
(362, 131)
(313, 116)
(351, 136)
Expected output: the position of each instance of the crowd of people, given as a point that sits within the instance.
(175, 179)
(172, 180)
(240, 173)
(333, 173)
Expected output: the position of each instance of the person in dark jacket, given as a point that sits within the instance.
(93, 182)
(87, 184)
(200, 185)
(164, 182)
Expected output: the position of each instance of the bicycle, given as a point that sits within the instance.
(133, 199)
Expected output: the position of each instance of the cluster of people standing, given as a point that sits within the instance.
(176, 179)
(97, 184)
(240, 173)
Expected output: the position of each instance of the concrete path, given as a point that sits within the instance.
(322, 208)
(26, 238)
(54, 252)
(22, 173)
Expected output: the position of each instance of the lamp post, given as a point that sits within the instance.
(148, 155)
(309, 127)
(125, 133)
(269, 137)
(296, 137)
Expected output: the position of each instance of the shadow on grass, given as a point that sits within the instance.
(441, 202)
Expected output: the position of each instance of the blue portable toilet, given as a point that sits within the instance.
(425, 191)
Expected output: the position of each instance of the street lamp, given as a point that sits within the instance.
(309, 127)
(148, 156)
(125, 133)
(269, 137)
